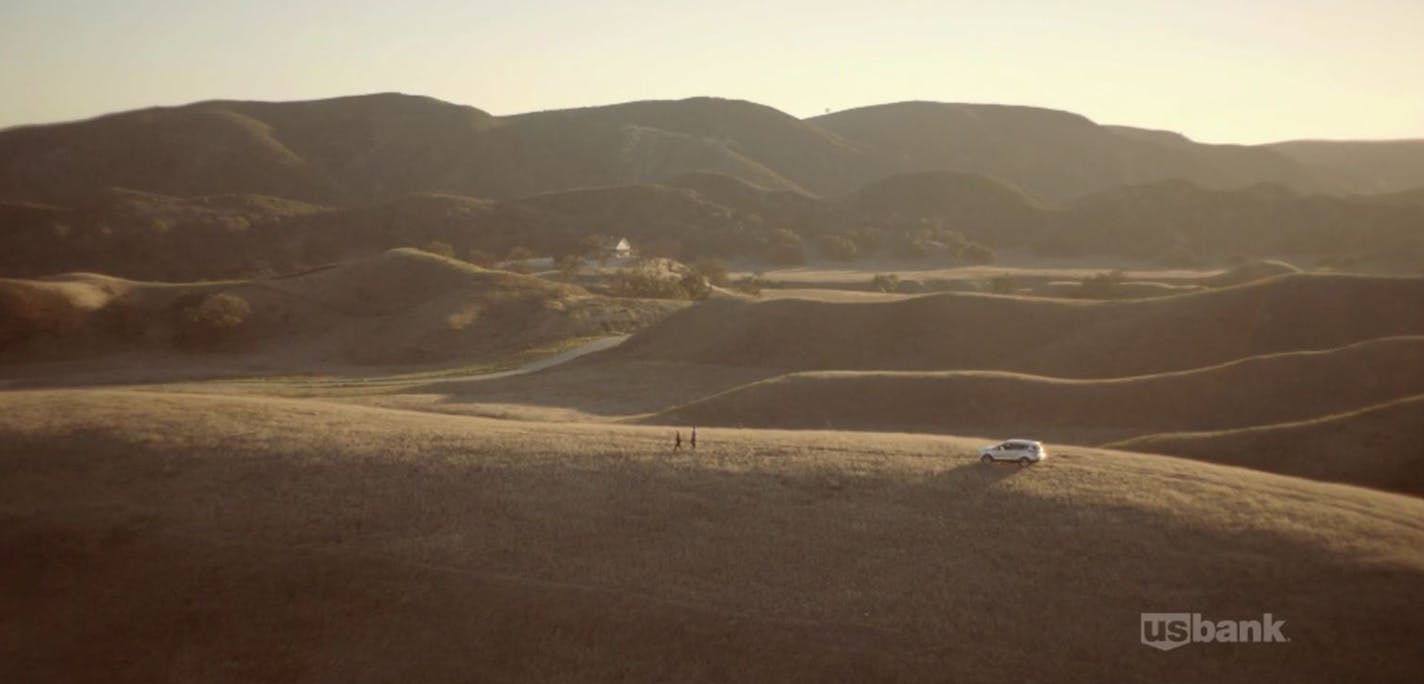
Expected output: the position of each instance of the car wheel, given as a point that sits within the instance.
(1023, 461)
(985, 458)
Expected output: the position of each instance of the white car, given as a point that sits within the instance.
(1020, 451)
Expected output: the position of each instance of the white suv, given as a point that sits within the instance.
(1021, 451)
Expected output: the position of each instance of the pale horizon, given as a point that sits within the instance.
(1215, 72)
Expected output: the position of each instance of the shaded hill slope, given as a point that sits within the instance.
(454, 548)
(977, 206)
(755, 204)
(372, 148)
(1255, 391)
(327, 151)
(1379, 446)
(1176, 216)
(1058, 338)
(404, 306)
(157, 237)
(1360, 166)
(363, 149)
(359, 175)
(1052, 154)
(655, 141)
(147, 236)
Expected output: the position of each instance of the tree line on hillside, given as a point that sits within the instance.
(154, 237)
(162, 240)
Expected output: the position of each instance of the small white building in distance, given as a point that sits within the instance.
(620, 248)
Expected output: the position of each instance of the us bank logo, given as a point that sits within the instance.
(1166, 631)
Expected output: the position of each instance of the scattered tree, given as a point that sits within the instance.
(866, 239)
(695, 285)
(596, 247)
(838, 247)
(910, 247)
(976, 253)
(752, 285)
(569, 265)
(646, 280)
(885, 282)
(713, 269)
(211, 322)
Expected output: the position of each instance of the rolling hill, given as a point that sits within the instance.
(1259, 390)
(1361, 166)
(655, 141)
(228, 189)
(361, 150)
(979, 207)
(157, 237)
(1051, 337)
(344, 150)
(374, 148)
(401, 307)
(177, 526)
(1374, 446)
(153, 535)
(789, 208)
(1154, 220)
(147, 236)
(1051, 154)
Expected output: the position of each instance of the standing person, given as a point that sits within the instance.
(694, 438)
(677, 441)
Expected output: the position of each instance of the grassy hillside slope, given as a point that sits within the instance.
(1183, 220)
(1378, 446)
(1031, 148)
(182, 537)
(1259, 390)
(404, 306)
(371, 148)
(1363, 166)
(1051, 337)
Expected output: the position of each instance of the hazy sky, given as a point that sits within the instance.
(1219, 71)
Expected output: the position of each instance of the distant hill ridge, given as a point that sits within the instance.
(363, 149)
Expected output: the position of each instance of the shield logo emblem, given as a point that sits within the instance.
(1166, 631)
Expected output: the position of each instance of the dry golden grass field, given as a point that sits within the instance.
(469, 475)
(1042, 336)
(1260, 390)
(152, 536)
(1377, 446)
(398, 309)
